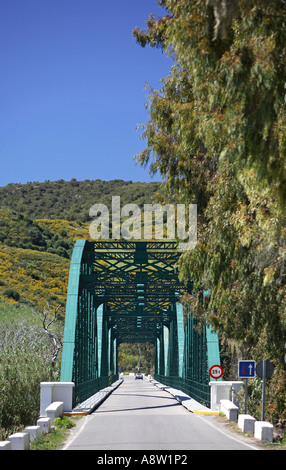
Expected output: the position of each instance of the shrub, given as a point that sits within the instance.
(12, 294)
(20, 375)
(25, 361)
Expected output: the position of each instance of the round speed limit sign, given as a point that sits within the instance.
(216, 371)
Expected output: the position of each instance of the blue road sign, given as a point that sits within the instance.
(246, 369)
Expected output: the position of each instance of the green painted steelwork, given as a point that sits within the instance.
(129, 291)
(201, 351)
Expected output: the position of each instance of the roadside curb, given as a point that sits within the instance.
(89, 405)
(188, 402)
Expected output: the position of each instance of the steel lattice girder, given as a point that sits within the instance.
(128, 291)
(138, 284)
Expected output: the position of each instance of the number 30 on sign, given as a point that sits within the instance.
(216, 371)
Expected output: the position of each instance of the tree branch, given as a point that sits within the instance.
(55, 339)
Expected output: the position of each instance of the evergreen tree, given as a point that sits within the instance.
(216, 133)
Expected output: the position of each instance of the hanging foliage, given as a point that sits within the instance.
(217, 135)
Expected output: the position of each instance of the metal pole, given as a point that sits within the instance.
(263, 388)
(245, 396)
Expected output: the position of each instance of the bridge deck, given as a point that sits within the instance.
(140, 416)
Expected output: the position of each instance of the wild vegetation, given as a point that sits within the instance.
(71, 200)
(216, 133)
(26, 359)
(137, 356)
(35, 251)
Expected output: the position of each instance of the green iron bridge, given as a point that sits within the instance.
(128, 292)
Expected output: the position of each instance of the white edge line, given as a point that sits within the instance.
(77, 433)
(229, 434)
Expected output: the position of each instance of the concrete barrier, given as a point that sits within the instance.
(54, 410)
(5, 445)
(263, 431)
(229, 409)
(20, 441)
(56, 391)
(224, 390)
(35, 432)
(246, 423)
(45, 424)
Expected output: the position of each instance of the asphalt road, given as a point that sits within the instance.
(140, 416)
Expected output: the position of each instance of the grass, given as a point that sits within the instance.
(56, 438)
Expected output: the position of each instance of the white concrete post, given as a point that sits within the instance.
(54, 410)
(263, 431)
(46, 396)
(5, 445)
(224, 390)
(62, 391)
(35, 432)
(45, 425)
(56, 391)
(20, 441)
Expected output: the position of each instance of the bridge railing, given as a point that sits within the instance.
(196, 390)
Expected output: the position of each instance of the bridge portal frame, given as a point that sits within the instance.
(90, 347)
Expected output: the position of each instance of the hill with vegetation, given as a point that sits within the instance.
(71, 200)
(216, 133)
(39, 223)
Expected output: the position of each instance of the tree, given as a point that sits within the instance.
(55, 338)
(216, 133)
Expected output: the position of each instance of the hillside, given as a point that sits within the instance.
(71, 200)
(39, 223)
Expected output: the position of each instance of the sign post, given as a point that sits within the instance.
(246, 370)
(264, 370)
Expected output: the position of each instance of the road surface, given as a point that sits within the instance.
(140, 416)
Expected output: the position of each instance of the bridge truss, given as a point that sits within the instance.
(126, 292)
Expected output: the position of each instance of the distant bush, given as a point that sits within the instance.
(60, 251)
(12, 294)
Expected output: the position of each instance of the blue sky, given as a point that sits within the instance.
(72, 89)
